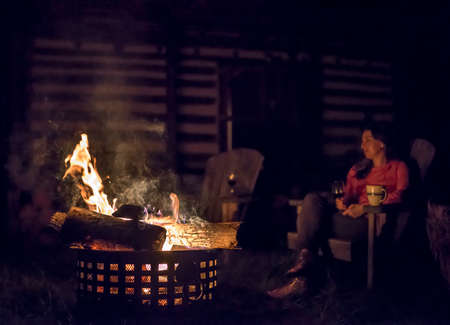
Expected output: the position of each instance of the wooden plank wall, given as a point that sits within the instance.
(198, 89)
(91, 85)
(83, 87)
(197, 101)
(354, 91)
(96, 88)
(199, 117)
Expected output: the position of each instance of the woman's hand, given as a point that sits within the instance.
(340, 204)
(354, 211)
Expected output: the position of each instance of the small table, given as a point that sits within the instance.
(372, 212)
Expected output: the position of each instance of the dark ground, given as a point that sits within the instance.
(39, 288)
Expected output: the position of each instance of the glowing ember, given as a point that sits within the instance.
(167, 245)
(173, 237)
(169, 223)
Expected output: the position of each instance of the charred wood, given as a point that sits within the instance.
(78, 225)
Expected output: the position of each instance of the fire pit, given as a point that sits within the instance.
(140, 271)
(143, 279)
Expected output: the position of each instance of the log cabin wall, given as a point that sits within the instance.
(76, 86)
(354, 91)
(117, 90)
(92, 87)
(197, 112)
(84, 79)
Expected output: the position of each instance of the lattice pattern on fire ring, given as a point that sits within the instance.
(149, 278)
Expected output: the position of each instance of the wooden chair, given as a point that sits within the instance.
(215, 197)
(423, 153)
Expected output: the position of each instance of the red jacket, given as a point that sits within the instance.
(393, 175)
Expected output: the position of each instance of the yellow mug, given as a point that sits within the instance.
(376, 194)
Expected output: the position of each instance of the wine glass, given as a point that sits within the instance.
(337, 189)
(231, 179)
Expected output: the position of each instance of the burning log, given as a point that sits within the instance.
(81, 224)
(204, 235)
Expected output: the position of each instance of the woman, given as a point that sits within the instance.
(314, 224)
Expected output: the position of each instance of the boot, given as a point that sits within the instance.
(304, 261)
(296, 286)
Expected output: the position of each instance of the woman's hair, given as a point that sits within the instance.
(383, 134)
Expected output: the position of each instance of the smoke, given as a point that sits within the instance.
(96, 90)
(129, 147)
(129, 170)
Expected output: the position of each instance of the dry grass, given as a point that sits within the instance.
(29, 294)
(40, 289)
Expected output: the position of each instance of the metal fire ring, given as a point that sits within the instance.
(159, 279)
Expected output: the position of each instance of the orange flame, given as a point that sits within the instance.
(92, 187)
